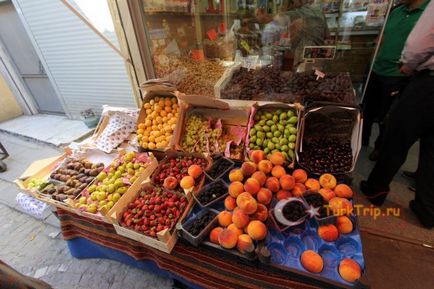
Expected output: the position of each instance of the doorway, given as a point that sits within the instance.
(18, 47)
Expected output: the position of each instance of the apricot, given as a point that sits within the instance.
(260, 177)
(247, 203)
(236, 175)
(187, 182)
(248, 168)
(277, 158)
(170, 183)
(283, 195)
(257, 230)
(261, 213)
(349, 270)
(298, 190)
(344, 224)
(257, 156)
(312, 185)
(328, 233)
(235, 188)
(239, 218)
(265, 166)
(272, 183)
(343, 191)
(299, 175)
(311, 261)
(214, 235)
(264, 196)
(234, 228)
(224, 218)
(228, 239)
(245, 244)
(194, 171)
(287, 182)
(340, 206)
(327, 181)
(230, 203)
(252, 186)
(327, 194)
(278, 171)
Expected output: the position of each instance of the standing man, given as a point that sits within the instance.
(412, 118)
(386, 81)
(307, 25)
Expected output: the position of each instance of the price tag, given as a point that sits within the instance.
(319, 74)
(222, 28)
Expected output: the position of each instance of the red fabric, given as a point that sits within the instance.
(203, 266)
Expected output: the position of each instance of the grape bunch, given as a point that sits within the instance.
(200, 137)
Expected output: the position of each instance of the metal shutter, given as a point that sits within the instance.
(86, 71)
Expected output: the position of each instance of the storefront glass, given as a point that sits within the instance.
(193, 43)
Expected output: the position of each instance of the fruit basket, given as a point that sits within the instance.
(211, 128)
(127, 170)
(38, 171)
(149, 228)
(173, 169)
(198, 226)
(72, 176)
(160, 112)
(219, 168)
(330, 138)
(274, 127)
(211, 193)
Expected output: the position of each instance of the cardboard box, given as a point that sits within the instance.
(165, 240)
(272, 106)
(150, 92)
(353, 131)
(92, 155)
(40, 169)
(105, 215)
(231, 117)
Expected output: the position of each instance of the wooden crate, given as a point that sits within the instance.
(105, 216)
(271, 106)
(214, 108)
(40, 169)
(151, 92)
(165, 240)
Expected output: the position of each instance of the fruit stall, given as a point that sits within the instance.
(249, 190)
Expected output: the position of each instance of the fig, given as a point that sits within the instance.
(70, 191)
(93, 172)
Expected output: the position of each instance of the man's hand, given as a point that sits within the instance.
(405, 70)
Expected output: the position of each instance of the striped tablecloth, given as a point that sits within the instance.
(201, 266)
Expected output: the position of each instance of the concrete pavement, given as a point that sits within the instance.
(28, 245)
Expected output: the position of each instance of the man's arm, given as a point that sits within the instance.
(420, 43)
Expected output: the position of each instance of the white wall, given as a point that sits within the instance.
(86, 72)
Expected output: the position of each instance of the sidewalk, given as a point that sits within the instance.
(37, 250)
(22, 152)
(50, 129)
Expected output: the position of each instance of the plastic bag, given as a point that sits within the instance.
(31, 205)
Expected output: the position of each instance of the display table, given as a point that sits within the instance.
(199, 267)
